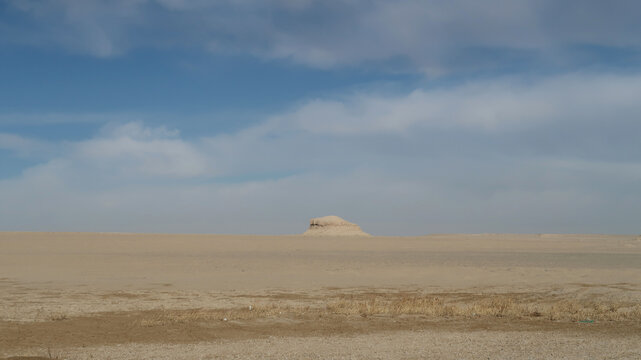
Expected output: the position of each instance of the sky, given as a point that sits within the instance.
(407, 117)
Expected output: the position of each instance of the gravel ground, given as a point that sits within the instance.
(388, 345)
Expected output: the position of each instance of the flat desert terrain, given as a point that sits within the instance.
(157, 296)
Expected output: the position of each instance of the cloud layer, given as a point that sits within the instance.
(434, 37)
(553, 155)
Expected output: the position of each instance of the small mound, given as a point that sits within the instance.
(333, 226)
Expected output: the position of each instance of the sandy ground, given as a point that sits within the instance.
(154, 296)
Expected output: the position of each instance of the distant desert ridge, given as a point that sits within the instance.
(333, 226)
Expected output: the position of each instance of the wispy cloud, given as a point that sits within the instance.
(491, 105)
(24, 146)
(430, 36)
(53, 118)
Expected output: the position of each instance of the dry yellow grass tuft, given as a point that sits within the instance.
(57, 317)
(508, 306)
(431, 306)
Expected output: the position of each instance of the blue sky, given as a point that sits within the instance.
(243, 116)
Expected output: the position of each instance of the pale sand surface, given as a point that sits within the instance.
(76, 295)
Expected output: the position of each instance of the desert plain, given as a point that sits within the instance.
(452, 296)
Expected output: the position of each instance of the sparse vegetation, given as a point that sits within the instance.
(509, 306)
(497, 305)
(164, 317)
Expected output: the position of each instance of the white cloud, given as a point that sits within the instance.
(491, 105)
(132, 150)
(118, 153)
(492, 156)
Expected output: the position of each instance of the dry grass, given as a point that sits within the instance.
(164, 316)
(57, 317)
(504, 306)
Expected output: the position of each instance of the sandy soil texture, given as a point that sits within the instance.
(154, 296)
